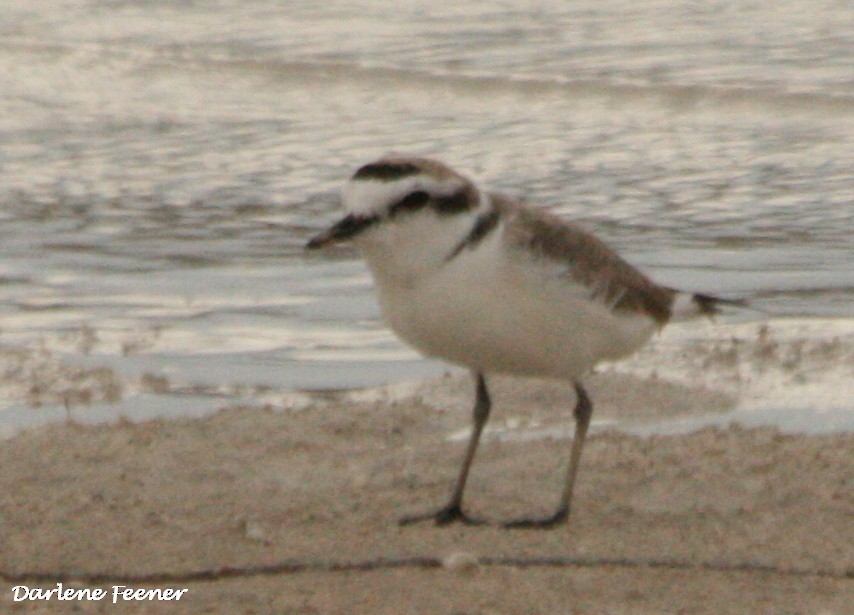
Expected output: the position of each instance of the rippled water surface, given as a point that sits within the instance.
(162, 164)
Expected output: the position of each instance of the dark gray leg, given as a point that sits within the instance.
(583, 412)
(453, 510)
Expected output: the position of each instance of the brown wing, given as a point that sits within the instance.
(588, 260)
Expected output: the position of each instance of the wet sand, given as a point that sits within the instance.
(719, 521)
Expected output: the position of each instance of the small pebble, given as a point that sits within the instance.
(253, 531)
(462, 562)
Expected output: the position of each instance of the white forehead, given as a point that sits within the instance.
(372, 196)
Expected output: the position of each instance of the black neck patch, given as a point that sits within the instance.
(483, 226)
(386, 171)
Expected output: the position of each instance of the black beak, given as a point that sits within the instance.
(345, 229)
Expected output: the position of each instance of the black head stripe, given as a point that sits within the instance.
(386, 171)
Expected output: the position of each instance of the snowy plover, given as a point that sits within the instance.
(489, 283)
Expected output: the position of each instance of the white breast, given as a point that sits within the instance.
(491, 311)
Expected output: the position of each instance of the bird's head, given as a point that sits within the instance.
(394, 198)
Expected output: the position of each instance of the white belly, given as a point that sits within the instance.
(479, 312)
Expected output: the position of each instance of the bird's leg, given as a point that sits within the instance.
(453, 510)
(583, 411)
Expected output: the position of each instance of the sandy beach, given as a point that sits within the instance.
(258, 511)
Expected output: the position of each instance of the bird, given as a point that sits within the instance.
(496, 285)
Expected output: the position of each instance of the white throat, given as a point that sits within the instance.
(410, 248)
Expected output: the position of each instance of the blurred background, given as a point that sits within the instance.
(162, 163)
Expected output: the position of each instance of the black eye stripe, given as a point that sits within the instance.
(411, 202)
(459, 201)
(454, 203)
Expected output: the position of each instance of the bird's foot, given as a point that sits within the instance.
(543, 523)
(444, 516)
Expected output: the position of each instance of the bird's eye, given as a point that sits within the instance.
(411, 202)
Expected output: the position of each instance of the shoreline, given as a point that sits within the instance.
(755, 517)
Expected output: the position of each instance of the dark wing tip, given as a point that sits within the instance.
(710, 305)
(315, 243)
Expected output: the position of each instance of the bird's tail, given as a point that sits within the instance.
(688, 305)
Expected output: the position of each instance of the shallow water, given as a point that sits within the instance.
(163, 163)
